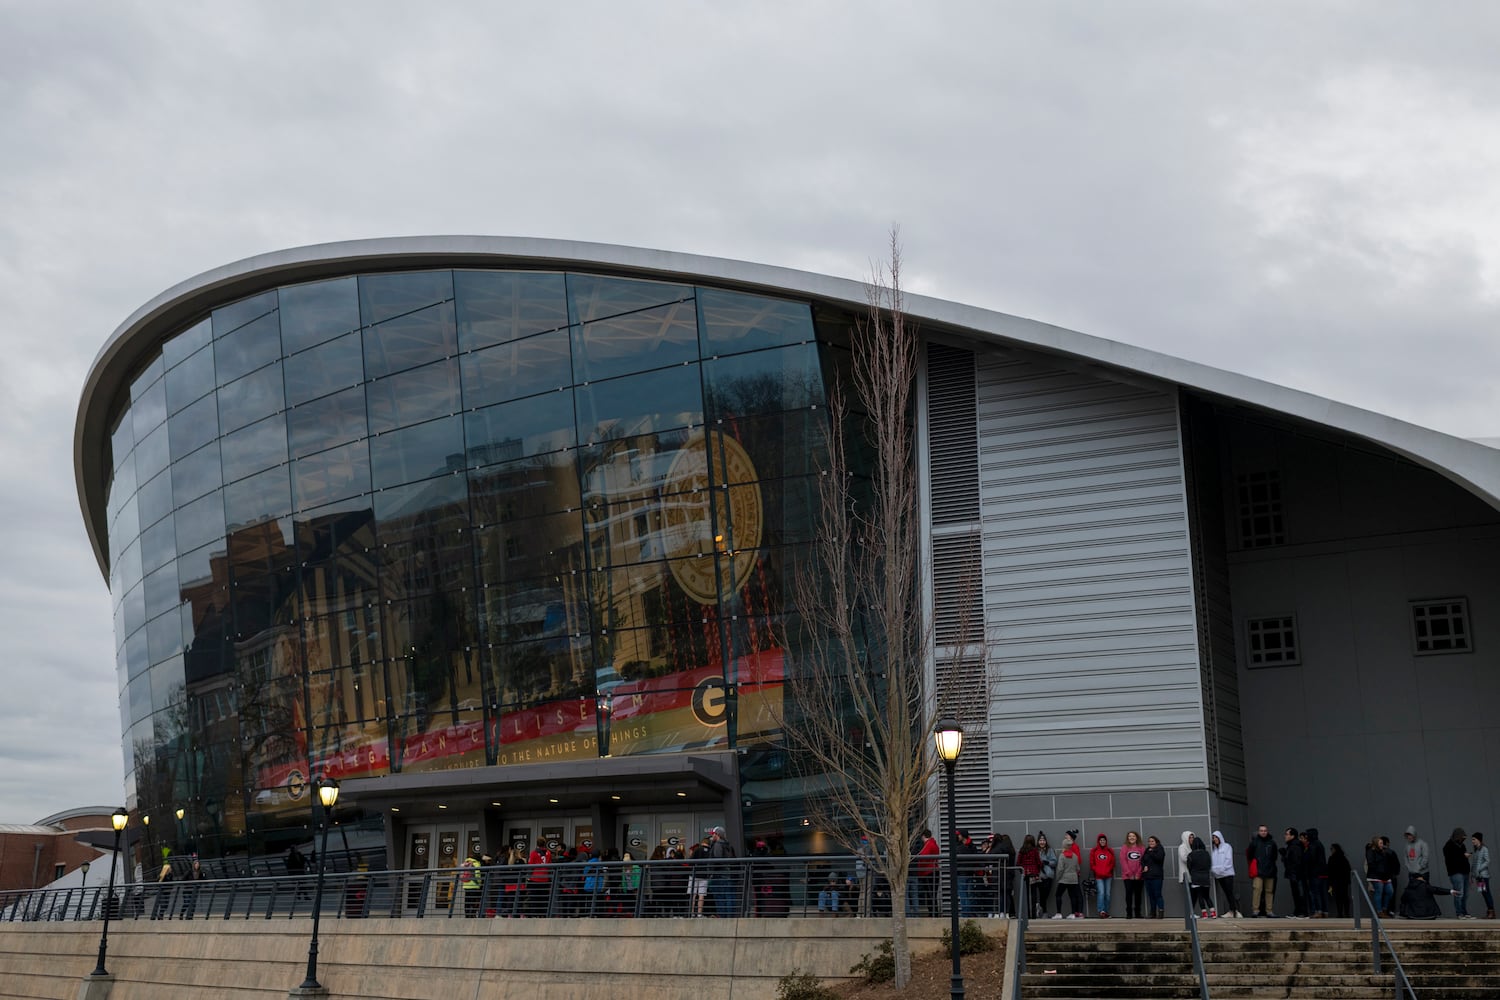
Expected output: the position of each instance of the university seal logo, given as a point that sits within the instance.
(703, 549)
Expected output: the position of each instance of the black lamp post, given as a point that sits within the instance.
(181, 812)
(949, 736)
(119, 819)
(328, 794)
(605, 704)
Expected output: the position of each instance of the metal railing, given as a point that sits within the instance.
(1403, 988)
(812, 886)
(1190, 920)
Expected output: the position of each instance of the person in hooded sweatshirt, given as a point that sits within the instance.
(1183, 850)
(1223, 872)
(1069, 874)
(1315, 873)
(1102, 864)
(1132, 855)
(1200, 867)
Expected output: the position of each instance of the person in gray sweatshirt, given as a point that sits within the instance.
(1416, 853)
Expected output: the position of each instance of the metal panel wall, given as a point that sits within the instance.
(1088, 585)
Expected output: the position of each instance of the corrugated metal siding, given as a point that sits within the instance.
(1088, 582)
(957, 574)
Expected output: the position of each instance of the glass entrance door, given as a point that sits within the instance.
(439, 847)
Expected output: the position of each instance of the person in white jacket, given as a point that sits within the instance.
(1224, 874)
(1183, 850)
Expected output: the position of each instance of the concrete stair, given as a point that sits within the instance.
(1258, 959)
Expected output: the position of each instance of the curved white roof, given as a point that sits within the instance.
(1471, 464)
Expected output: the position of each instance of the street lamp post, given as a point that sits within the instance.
(605, 704)
(181, 812)
(83, 889)
(119, 820)
(949, 736)
(328, 794)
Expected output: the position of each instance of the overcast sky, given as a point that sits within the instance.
(1305, 192)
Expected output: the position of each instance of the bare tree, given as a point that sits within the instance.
(858, 714)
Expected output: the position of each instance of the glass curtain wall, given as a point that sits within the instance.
(442, 519)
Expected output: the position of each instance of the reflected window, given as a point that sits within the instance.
(318, 311)
(522, 368)
(195, 475)
(418, 452)
(194, 427)
(413, 396)
(330, 367)
(592, 297)
(510, 431)
(190, 380)
(496, 307)
(637, 404)
(341, 639)
(254, 448)
(650, 338)
(323, 423)
(637, 466)
(186, 344)
(524, 489)
(331, 475)
(251, 398)
(266, 494)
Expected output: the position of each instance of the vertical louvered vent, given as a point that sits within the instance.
(952, 434)
(957, 589)
(963, 689)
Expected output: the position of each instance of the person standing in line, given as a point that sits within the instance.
(1223, 872)
(1480, 863)
(864, 874)
(1153, 870)
(1292, 866)
(1102, 865)
(471, 881)
(1417, 861)
(1132, 856)
(1261, 857)
(1378, 875)
(925, 868)
(1069, 874)
(1340, 872)
(966, 858)
(1456, 860)
(1048, 858)
(1200, 866)
(1184, 849)
(1005, 870)
(1030, 860)
(539, 879)
(1315, 873)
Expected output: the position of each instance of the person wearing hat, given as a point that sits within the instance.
(722, 887)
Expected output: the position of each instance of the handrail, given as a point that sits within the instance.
(1377, 934)
(1190, 920)
(1023, 919)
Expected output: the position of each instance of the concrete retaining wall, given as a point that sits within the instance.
(446, 959)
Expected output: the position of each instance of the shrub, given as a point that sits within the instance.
(971, 940)
(879, 967)
(798, 985)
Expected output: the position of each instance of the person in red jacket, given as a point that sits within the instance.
(539, 881)
(924, 872)
(1102, 864)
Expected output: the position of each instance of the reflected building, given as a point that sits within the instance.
(501, 533)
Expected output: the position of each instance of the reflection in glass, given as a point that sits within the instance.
(266, 494)
(200, 522)
(418, 452)
(636, 404)
(158, 544)
(251, 398)
(164, 636)
(317, 311)
(735, 322)
(235, 315)
(161, 591)
(254, 448)
(413, 396)
(526, 488)
(510, 431)
(168, 686)
(592, 296)
(148, 409)
(763, 382)
(122, 439)
(187, 343)
(195, 475)
(331, 475)
(326, 422)
(495, 307)
(154, 500)
(424, 544)
(522, 368)
(651, 338)
(335, 365)
(152, 454)
(193, 427)
(252, 346)
(190, 380)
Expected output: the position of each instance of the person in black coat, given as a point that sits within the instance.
(1315, 873)
(1153, 870)
(1417, 902)
(1339, 873)
(1200, 866)
(1291, 864)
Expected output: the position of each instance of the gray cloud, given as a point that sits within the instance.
(1305, 193)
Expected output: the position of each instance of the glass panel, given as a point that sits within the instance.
(331, 475)
(318, 311)
(139, 694)
(152, 454)
(326, 422)
(122, 439)
(349, 637)
(763, 382)
(168, 686)
(155, 499)
(552, 607)
(268, 494)
(523, 368)
(431, 642)
(413, 396)
(186, 343)
(524, 549)
(200, 522)
(237, 314)
(655, 401)
(194, 427)
(121, 488)
(525, 489)
(252, 346)
(495, 307)
(254, 448)
(782, 444)
(418, 452)
(409, 341)
(164, 636)
(337, 546)
(387, 296)
(336, 365)
(592, 297)
(734, 322)
(540, 671)
(137, 650)
(195, 475)
(352, 749)
(345, 528)
(639, 465)
(251, 398)
(424, 542)
(651, 338)
(190, 380)
(516, 430)
(129, 568)
(150, 409)
(196, 569)
(161, 591)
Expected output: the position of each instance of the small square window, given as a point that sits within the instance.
(1272, 642)
(1259, 495)
(1440, 626)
